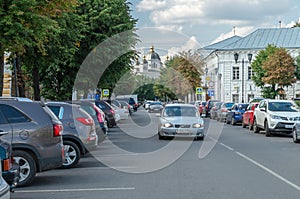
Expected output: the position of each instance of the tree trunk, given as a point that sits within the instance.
(36, 82)
(1, 69)
(20, 77)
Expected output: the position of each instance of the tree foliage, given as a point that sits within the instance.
(259, 72)
(53, 37)
(273, 67)
(183, 73)
(279, 68)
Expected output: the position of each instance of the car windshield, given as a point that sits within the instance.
(283, 106)
(176, 111)
(155, 103)
(228, 105)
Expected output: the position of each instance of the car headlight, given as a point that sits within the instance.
(276, 117)
(168, 125)
(197, 125)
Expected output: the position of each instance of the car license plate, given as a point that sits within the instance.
(182, 131)
(289, 126)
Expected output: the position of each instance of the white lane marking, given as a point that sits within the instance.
(77, 190)
(227, 147)
(269, 171)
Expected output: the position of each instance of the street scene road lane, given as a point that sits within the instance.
(231, 170)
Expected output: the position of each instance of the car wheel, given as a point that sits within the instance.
(243, 123)
(268, 132)
(255, 127)
(160, 137)
(232, 121)
(295, 136)
(226, 120)
(250, 126)
(72, 155)
(27, 167)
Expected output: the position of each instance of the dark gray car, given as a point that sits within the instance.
(79, 134)
(35, 134)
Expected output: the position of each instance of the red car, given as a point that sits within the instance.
(201, 107)
(248, 115)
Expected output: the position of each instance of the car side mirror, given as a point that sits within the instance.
(263, 109)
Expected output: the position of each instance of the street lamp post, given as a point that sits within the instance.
(236, 57)
(205, 86)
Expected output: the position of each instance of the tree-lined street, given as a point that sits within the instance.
(241, 165)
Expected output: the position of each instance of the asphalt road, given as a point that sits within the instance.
(133, 163)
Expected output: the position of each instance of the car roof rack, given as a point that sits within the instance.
(22, 99)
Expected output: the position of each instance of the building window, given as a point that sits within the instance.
(250, 72)
(235, 98)
(235, 73)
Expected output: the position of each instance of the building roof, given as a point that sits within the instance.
(259, 39)
(223, 43)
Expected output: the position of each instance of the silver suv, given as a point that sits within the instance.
(35, 134)
(276, 116)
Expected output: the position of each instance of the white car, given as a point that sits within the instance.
(180, 120)
(276, 116)
(121, 113)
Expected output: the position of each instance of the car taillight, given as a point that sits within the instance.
(6, 164)
(57, 130)
(85, 121)
(112, 111)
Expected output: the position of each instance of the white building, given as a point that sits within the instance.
(231, 81)
(150, 65)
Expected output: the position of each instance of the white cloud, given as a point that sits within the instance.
(233, 12)
(191, 44)
(150, 5)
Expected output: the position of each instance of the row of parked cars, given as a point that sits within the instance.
(268, 115)
(39, 136)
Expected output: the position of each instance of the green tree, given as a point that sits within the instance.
(183, 73)
(297, 70)
(27, 24)
(279, 70)
(257, 64)
(104, 20)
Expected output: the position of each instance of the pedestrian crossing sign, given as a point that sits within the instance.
(199, 90)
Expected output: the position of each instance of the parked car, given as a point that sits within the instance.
(147, 104)
(201, 107)
(209, 104)
(296, 133)
(4, 187)
(79, 135)
(248, 117)
(126, 105)
(98, 116)
(10, 170)
(180, 120)
(155, 107)
(107, 109)
(235, 115)
(222, 112)
(214, 110)
(276, 116)
(35, 134)
(120, 113)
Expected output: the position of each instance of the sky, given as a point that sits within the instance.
(179, 25)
